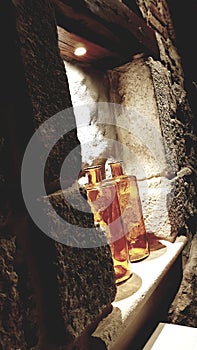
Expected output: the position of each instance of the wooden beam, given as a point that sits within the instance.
(68, 43)
(109, 24)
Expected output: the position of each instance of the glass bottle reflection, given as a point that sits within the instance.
(103, 200)
(131, 211)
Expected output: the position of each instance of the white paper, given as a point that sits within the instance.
(173, 337)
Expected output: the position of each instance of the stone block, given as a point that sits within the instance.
(183, 308)
(47, 85)
(85, 274)
(11, 330)
(163, 203)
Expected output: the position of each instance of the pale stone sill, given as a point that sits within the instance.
(134, 297)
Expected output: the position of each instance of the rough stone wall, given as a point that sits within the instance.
(89, 87)
(46, 286)
(177, 127)
(12, 334)
(157, 15)
(183, 310)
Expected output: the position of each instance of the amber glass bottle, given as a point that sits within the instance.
(93, 188)
(131, 212)
(104, 202)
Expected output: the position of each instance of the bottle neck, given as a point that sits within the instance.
(116, 169)
(94, 174)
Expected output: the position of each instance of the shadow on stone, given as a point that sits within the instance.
(154, 242)
(132, 285)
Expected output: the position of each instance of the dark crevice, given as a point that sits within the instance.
(185, 26)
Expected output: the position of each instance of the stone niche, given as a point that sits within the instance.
(124, 114)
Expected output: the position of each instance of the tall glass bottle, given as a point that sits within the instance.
(131, 212)
(93, 188)
(104, 202)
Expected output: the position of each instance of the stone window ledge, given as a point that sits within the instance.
(144, 297)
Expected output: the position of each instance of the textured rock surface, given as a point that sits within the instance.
(139, 120)
(156, 92)
(157, 15)
(87, 87)
(177, 125)
(79, 268)
(45, 296)
(14, 108)
(155, 142)
(184, 307)
(48, 89)
(11, 330)
(46, 81)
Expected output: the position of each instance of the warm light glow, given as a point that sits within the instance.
(80, 51)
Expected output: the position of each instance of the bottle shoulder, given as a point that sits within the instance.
(96, 185)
